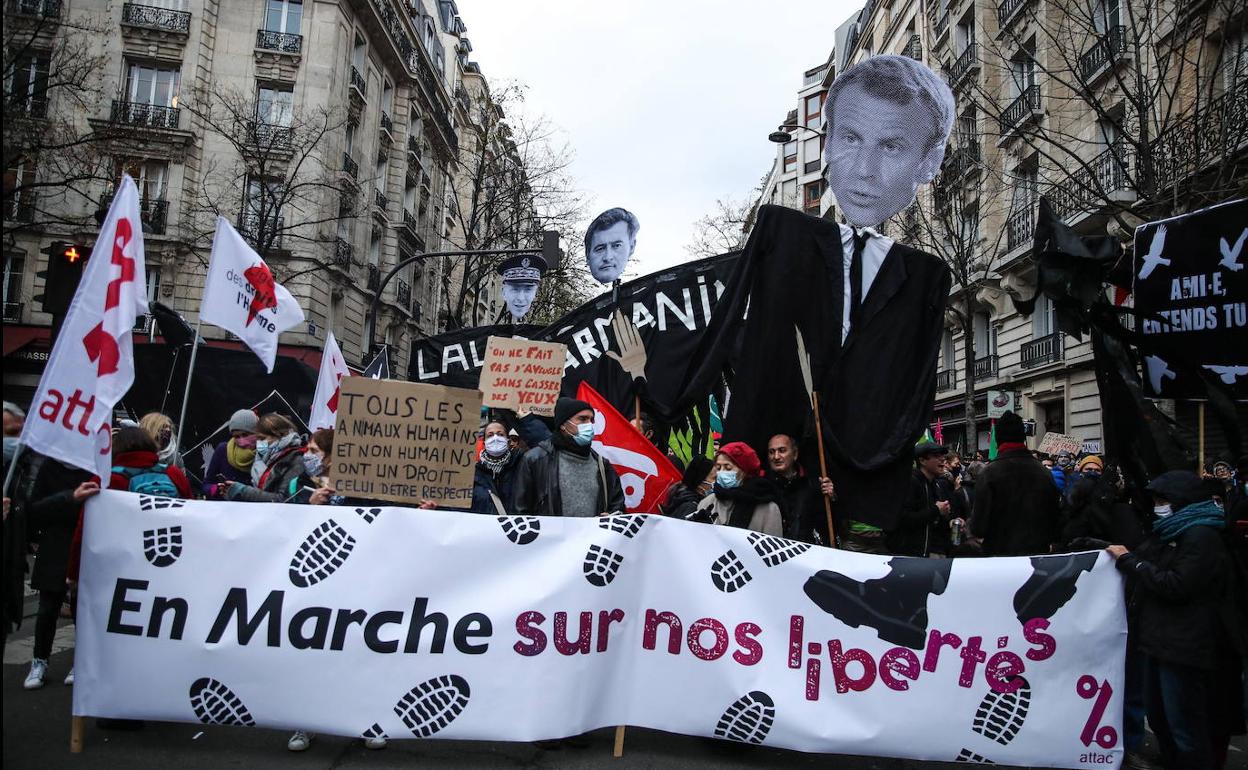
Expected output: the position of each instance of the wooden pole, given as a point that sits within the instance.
(619, 742)
(1200, 428)
(77, 727)
(823, 467)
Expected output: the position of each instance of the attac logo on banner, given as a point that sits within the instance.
(384, 621)
(405, 442)
(523, 375)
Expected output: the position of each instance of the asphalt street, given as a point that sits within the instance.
(37, 729)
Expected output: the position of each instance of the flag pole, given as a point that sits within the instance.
(190, 374)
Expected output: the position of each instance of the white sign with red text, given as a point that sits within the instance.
(241, 296)
(412, 623)
(92, 362)
(328, 386)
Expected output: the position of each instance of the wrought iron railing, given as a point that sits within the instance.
(409, 221)
(962, 66)
(1026, 105)
(461, 96)
(1007, 10)
(358, 82)
(416, 312)
(380, 200)
(49, 9)
(26, 106)
(404, 294)
(1020, 226)
(1201, 138)
(138, 114)
(256, 228)
(1107, 48)
(946, 379)
(942, 25)
(986, 367)
(137, 15)
(1045, 350)
(374, 278)
(342, 253)
(1082, 190)
(963, 158)
(271, 135)
(350, 166)
(387, 124)
(272, 40)
(154, 212)
(913, 49)
(13, 312)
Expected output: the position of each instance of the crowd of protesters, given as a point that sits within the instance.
(1181, 541)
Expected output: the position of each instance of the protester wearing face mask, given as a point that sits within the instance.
(493, 486)
(231, 460)
(563, 475)
(1182, 615)
(160, 428)
(742, 497)
(278, 473)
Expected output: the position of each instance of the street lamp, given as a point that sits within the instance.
(782, 136)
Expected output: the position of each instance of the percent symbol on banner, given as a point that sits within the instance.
(1106, 736)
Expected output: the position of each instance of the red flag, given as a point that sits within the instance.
(645, 472)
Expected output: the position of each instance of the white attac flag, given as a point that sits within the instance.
(92, 362)
(241, 297)
(325, 401)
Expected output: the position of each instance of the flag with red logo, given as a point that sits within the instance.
(92, 362)
(328, 386)
(645, 472)
(241, 296)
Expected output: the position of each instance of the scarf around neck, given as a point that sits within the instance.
(239, 458)
(1205, 514)
(260, 464)
(745, 498)
(494, 465)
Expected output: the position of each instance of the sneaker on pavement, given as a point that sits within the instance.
(300, 741)
(38, 670)
(376, 742)
(69, 678)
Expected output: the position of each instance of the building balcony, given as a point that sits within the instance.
(1008, 10)
(26, 107)
(21, 207)
(966, 63)
(144, 115)
(151, 17)
(941, 27)
(1020, 227)
(1109, 48)
(380, 201)
(387, 127)
(1022, 109)
(12, 312)
(403, 293)
(153, 212)
(410, 223)
(257, 229)
(269, 135)
(1042, 351)
(1093, 186)
(282, 42)
(963, 159)
(1198, 140)
(416, 312)
(913, 49)
(47, 9)
(359, 88)
(342, 253)
(986, 367)
(461, 97)
(374, 278)
(946, 380)
(350, 167)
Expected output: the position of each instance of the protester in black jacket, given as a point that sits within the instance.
(1099, 509)
(53, 514)
(563, 476)
(683, 498)
(1017, 506)
(923, 529)
(801, 499)
(493, 484)
(1181, 580)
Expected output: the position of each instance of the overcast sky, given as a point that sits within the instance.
(666, 104)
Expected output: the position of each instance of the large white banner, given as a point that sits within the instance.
(411, 623)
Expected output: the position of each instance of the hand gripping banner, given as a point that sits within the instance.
(437, 624)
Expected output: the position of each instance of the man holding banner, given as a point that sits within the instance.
(563, 476)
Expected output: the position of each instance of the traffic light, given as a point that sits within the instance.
(66, 261)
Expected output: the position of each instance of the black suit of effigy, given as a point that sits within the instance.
(876, 390)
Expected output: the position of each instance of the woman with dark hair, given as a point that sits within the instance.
(494, 481)
(695, 484)
(742, 496)
(278, 473)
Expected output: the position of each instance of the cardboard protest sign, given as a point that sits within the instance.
(523, 375)
(405, 442)
(1191, 291)
(1052, 443)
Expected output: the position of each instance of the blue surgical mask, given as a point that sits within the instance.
(1162, 511)
(584, 434)
(313, 464)
(727, 479)
(262, 447)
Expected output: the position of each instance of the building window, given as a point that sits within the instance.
(374, 248)
(790, 156)
(1044, 319)
(14, 270)
(1106, 15)
(349, 147)
(153, 84)
(985, 336)
(1235, 60)
(812, 193)
(1022, 72)
(283, 16)
(28, 85)
(814, 107)
(946, 350)
(358, 54)
(274, 106)
(788, 194)
(151, 177)
(812, 150)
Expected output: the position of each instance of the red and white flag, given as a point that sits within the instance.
(328, 386)
(92, 362)
(241, 297)
(645, 472)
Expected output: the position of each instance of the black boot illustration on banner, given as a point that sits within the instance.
(162, 546)
(430, 706)
(601, 565)
(748, 719)
(1001, 714)
(320, 554)
(215, 704)
(1051, 585)
(894, 605)
(729, 574)
(521, 530)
